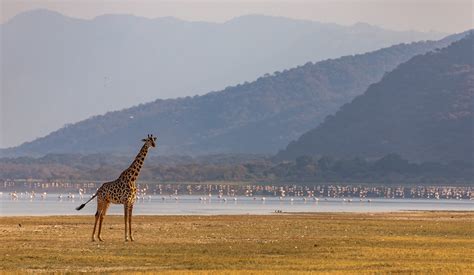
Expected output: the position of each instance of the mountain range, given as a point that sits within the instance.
(258, 117)
(58, 70)
(422, 110)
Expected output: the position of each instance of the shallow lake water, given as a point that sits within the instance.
(51, 204)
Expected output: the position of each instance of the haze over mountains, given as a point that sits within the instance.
(423, 110)
(258, 117)
(58, 70)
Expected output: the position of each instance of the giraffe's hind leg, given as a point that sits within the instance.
(130, 209)
(100, 206)
(104, 207)
(97, 214)
(125, 218)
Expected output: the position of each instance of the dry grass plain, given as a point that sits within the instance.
(409, 242)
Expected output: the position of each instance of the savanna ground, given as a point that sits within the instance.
(409, 242)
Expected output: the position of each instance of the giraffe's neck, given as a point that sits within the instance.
(140, 158)
(132, 172)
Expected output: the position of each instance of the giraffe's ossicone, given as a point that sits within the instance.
(121, 191)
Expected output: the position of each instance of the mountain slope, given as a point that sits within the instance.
(61, 70)
(422, 110)
(257, 117)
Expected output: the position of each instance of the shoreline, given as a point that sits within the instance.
(196, 206)
(248, 214)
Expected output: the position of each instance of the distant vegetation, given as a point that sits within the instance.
(258, 117)
(305, 169)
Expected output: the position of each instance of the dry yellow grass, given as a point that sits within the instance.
(431, 242)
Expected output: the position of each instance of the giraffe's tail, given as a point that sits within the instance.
(84, 204)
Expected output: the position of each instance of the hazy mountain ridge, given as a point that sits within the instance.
(423, 110)
(258, 117)
(69, 69)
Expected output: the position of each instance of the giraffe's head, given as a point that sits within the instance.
(150, 141)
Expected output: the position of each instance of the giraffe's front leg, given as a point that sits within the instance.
(125, 218)
(130, 209)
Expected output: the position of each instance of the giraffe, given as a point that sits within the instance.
(120, 191)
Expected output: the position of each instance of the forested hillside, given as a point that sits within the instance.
(423, 110)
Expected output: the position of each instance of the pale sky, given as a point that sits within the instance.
(447, 16)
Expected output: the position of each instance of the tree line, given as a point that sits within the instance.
(391, 168)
